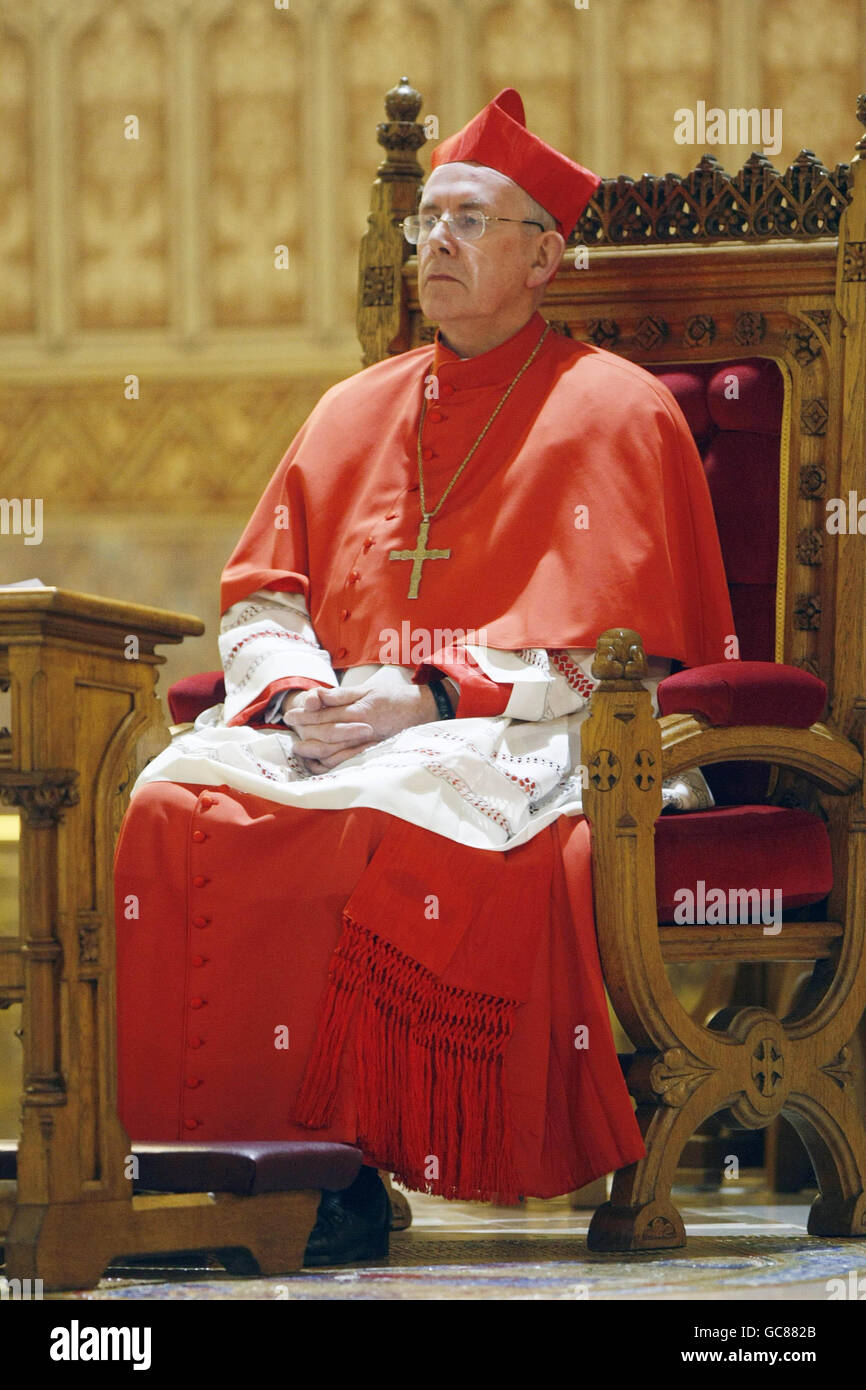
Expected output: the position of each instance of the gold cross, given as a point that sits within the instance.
(419, 555)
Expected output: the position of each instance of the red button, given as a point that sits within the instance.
(446, 389)
(191, 1124)
(199, 881)
(200, 921)
(344, 614)
(435, 416)
(206, 801)
(196, 1003)
(368, 542)
(344, 651)
(354, 576)
(192, 1082)
(198, 836)
(199, 960)
(429, 453)
(196, 1042)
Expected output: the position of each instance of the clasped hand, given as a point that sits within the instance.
(333, 725)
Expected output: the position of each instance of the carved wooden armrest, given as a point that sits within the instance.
(832, 762)
(628, 752)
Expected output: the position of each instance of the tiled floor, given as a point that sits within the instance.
(743, 1243)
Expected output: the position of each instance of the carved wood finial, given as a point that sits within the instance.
(619, 656)
(401, 135)
(861, 116)
(402, 102)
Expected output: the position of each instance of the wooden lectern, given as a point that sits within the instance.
(85, 719)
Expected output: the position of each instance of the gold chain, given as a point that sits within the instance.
(428, 516)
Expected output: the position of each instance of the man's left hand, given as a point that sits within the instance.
(365, 714)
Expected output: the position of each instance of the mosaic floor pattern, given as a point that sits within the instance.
(743, 1244)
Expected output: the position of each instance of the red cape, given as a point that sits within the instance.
(584, 508)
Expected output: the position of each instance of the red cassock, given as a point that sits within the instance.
(280, 977)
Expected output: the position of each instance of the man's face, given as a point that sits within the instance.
(464, 280)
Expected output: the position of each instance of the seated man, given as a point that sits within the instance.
(355, 902)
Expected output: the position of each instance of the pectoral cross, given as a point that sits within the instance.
(419, 555)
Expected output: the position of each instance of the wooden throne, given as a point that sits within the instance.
(687, 275)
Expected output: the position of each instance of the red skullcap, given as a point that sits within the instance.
(498, 137)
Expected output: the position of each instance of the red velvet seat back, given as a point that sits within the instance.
(734, 410)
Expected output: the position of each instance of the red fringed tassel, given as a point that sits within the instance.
(315, 1101)
(429, 1070)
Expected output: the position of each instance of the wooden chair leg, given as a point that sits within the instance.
(833, 1133)
(640, 1214)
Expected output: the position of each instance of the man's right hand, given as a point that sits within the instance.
(334, 725)
(342, 739)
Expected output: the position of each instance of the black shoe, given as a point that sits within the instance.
(352, 1226)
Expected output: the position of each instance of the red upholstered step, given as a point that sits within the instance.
(241, 1168)
(768, 847)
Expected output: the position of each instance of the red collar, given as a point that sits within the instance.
(497, 367)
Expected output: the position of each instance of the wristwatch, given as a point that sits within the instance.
(443, 704)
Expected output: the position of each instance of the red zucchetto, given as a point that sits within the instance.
(498, 137)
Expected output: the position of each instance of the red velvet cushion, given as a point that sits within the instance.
(743, 847)
(247, 1168)
(757, 404)
(227, 1166)
(688, 384)
(745, 692)
(189, 697)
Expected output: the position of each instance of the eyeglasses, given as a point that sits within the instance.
(465, 226)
